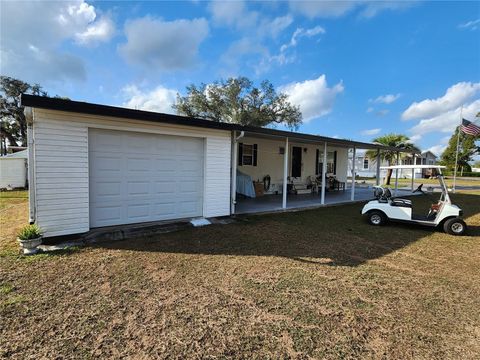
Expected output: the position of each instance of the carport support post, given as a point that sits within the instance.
(234, 174)
(396, 173)
(378, 167)
(285, 175)
(413, 171)
(324, 173)
(352, 196)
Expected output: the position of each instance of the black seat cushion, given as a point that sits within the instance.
(401, 202)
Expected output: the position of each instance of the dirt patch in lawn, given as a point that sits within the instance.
(311, 284)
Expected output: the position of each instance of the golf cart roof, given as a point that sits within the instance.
(399, 167)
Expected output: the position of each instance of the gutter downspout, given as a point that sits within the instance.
(31, 165)
(233, 186)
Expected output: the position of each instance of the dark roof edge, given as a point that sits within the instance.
(113, 111)
(125, 113)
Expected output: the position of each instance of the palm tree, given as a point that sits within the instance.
(394, 140)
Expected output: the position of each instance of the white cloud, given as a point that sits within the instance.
(470, 25)
(236, 14)
(237, 53)
(385, 99)
(233, 13)
(447, 121)
(370, 109)
(313, 9)
(100, 31)
(314, 97)
(371, 132)
(285, 56)
(159, 99)
(437, 149)
(325, 9)
(166, 45)
(382, 112)
(454, 97)
(299, 33)
(372, 8)
(274, 27)
(440, 147)
(32, 33)
(415, 138)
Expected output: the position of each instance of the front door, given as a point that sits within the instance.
(296, 161)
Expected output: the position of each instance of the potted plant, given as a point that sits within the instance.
(29, 237)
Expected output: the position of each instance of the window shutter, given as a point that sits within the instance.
(335, 163)
(255, 150)
(240, 154)
(316, 162)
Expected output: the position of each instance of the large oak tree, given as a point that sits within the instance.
(237, 100)
(13, 126)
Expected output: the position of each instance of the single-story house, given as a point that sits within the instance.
(94, 165)
(13, 170)
(366, 167)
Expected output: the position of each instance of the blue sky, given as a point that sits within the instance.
(357, 69)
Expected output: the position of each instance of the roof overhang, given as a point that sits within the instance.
(58, 104)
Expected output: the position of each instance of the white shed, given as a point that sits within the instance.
(13, 170)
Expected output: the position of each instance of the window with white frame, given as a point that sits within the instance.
(331, 162)
(247, 154)
(365, 163)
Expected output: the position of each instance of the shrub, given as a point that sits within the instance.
(29, 232)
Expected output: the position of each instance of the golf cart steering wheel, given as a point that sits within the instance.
(419, 189)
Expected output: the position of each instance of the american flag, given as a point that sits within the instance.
(470, 128)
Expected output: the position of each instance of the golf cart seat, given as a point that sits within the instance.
(385, 195)
(401, 202)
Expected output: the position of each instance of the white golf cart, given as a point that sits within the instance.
(443, 213)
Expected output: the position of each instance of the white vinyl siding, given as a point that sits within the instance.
(62, 171)
(61, 177)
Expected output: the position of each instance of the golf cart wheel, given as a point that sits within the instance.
(377, 218)
(455, 226)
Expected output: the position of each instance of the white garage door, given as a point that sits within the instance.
(136, 177)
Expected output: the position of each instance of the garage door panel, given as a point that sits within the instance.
(167, 146)
(106, 215)
(164, 187)
(164, 210)
(108, 142)
(139, 143)
(139, 211)
(106, 188)
(187, 208)
(138, 188)
(164, 164)
(189, 186)
(165, 182)
(104, 162)
(138, 164)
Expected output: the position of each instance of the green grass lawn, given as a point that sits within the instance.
(309, 284)
(407, 182)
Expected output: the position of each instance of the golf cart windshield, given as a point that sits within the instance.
(444, 197)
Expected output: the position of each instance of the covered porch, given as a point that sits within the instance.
(278, 170)
(273, 203)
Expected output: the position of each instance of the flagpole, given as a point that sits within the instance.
(456, 155)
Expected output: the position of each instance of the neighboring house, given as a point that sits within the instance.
(96, 165)
(366, 167)
(13, 170)
(475, 169)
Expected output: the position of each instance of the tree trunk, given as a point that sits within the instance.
(389, 176)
